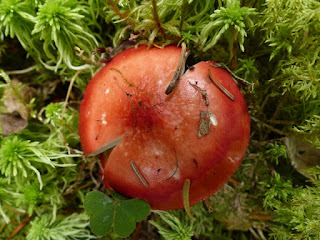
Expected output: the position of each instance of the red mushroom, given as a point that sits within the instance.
(197, 133)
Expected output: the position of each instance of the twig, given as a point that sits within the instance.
(91, 165)
(270, 127)
(282, 100)
(234, 50)
(208, 206)
(69, 92)
(77, 181)
(282, 122)
(261, 216)
(157, 20)
(137, 231)
(17, 229)
(115, 8)
(183, 13)
(77, 189)
(80, 52)
(233, 181)
(123, 45)
(83, 165)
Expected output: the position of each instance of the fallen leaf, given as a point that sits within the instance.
(16, 97)
(12, 123)
(206, 119)
(302, 154)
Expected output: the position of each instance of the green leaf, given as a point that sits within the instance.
(124, 223)
(123, 214)
(141, 208)
(101, 209)
(116, 195)
(128, 214)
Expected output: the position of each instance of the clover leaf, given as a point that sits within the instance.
(128, 214)
(101, 209)
(120, 213)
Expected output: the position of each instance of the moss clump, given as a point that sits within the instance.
(270, 46)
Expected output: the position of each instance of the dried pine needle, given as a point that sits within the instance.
(139, 175)
(222, 88)
(180, 69)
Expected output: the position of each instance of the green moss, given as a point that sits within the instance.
(271, 46)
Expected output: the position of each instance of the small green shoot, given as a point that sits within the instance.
(120, 213)
(186, 201)
(230, 21)
(174, 225)
(276, 152)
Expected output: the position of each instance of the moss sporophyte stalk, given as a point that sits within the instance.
(51, 49)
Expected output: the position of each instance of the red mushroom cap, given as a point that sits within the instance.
(197, 132)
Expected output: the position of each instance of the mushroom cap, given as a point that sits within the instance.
(197, 132)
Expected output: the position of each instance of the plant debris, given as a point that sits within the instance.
(222, 88)
(139, 175)
(12, 123)
(110, 53)
(302, 154)
(16, 98)
(202, 91)
(206, 119)
(180, 69)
